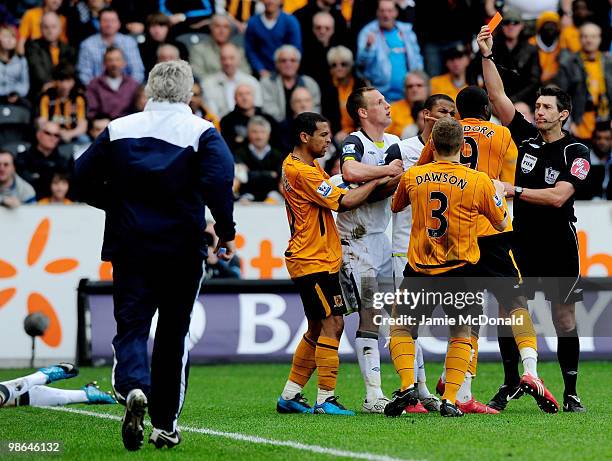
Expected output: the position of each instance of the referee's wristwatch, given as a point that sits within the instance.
(518, 190)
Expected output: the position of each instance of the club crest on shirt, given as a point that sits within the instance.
(348, 149)
(324, 189)
(498, 201)
(551, 175)
(528, 163)
(580, 168)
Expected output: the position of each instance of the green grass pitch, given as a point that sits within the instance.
(240, 399)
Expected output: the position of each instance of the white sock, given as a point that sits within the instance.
(529, 356)
(291, 389)
(44, 396)
(464, 393)
(323, 395)
(22, 385)
(369, 362)
(421, 377)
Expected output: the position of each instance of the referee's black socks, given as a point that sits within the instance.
(509, 354)
(568, 353)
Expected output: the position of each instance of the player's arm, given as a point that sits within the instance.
(356, 172)
(387, 187)
(502, 105)
(551, 196)
(426, 153)
(355, 197)
(508, 169)
(401, 199)
(492, 206)
(571, 178)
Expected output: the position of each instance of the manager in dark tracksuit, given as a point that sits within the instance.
(153, 173)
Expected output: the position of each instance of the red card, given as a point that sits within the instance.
(494, 22)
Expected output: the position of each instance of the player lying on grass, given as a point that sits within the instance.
(313, 260)
(447, 199)
(32, 390)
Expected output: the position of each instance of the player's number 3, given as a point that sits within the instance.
(438, 213)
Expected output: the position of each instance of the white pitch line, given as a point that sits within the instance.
(251, 438)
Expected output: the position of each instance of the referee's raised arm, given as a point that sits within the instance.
(502, 105)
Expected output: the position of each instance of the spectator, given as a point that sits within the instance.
(234, 124)
(442, 25)
(205, 57)
(13, 189)
(306, 16)
(218, 268)
(525, 110)
(277, 89)
(456, 60)
(416, 89)
(84, 19)
(47, 52)
(517, 60)
(200, 109)
(268, 31)
(335, 92)
(587, 77)
(158, 27)
(263, 161)
(95, 126)
(30, 25)
(530, 10)
(570, 35)
(113, 92)
(14, 82)
(301, 101)
(64, 104)
(548, 30)
(140, 100)
(42, 160)
(601, 162)
(187, 16)
(316, 47)
(221, 86)
(91, 52)
(167, 52)
(386, 51)
(60, 185)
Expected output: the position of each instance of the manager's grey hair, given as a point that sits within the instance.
(170, 81)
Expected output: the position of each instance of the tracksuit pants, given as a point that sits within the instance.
(139, 289)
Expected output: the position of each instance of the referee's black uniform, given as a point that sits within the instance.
(545, 242)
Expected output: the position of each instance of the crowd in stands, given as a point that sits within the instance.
(67, 68)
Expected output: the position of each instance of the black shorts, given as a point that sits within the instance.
(497, 271)
(548, 260)
(321, 295)
(455, 282)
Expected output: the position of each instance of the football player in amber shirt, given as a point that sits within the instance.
(313, 260)
(447, 198)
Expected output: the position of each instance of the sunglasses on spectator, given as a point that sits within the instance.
(48, 133)
(415, 85)
(288, 60)
(5, 163)
(510, 23)
(340, 64)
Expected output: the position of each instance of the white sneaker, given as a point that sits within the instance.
(375, 406)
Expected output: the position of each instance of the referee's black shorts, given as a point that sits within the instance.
(496, 270)
(548, 260)
(321, 295)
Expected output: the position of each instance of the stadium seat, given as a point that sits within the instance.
(14, 123)
(192, 38)
(16, 147)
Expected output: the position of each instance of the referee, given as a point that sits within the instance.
(153, 173)
(551, 165)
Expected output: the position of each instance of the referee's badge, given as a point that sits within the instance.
(551, 175)
(528, 163)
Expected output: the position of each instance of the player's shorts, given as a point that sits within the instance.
(456, 281)
(497, 270)
(366, 265)
(548, 260)
(321, 295)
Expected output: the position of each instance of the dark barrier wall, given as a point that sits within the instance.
(262, 321)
